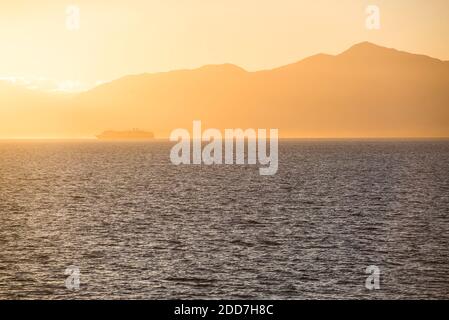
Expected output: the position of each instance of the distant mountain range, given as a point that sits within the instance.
(366, 91)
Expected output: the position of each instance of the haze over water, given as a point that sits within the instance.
(139, 227)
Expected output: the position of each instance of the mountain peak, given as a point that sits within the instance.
(366, 45)
(367, 48)
(367, 91)
(364, 51)
(226, 67)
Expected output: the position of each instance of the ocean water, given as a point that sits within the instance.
(138, 227)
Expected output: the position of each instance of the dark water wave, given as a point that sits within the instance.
(139, 227)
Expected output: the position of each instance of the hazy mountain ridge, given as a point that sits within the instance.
(367, 90)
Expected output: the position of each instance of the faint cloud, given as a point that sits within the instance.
(69, 86)
(47, 85)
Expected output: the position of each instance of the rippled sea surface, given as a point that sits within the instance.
(139, 227)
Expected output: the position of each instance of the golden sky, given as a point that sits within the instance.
(117, 38)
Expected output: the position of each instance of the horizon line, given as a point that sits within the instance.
(93, 139)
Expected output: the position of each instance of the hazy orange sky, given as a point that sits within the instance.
(134, 36)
